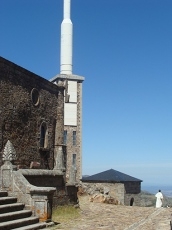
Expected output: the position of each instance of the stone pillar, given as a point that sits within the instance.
(59, 159)
(9, 155)
(72, 175)
(42, 203)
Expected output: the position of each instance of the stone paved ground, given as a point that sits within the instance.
(99, 216)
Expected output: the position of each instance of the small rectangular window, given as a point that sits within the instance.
(74, 160)
(74, 137)
(65, 137)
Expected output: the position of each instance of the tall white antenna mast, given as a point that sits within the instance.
(66, 40)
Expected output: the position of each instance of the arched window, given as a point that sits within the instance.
(44, 136)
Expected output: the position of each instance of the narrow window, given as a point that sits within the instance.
(44, 136)
(65, 137)
(74, 137)
(74, 160)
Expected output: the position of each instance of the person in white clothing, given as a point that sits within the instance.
(159, 199)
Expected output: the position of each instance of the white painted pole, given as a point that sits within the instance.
(66, 40)
(66, 9)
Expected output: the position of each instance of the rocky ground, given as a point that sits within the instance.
(95, 216)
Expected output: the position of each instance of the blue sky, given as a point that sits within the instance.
(123, 48)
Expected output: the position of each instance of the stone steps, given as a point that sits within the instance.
(18, 223)
(3, 193)
(33, 226)
(7, 200)
(13, 215)
(11, 207)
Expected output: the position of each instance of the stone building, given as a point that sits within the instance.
(72, 122)
(32, 115)
(124, 188)
(32, 119)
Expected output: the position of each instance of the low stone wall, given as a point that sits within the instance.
(37, 199)
(124, 194)
(64, 194)
(114, 190)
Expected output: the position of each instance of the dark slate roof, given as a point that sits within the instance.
(110, 175)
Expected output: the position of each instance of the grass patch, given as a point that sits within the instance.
(63, 214)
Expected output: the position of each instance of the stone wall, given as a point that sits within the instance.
(77, 148)
(121, 192)
(132, 193)
(115, 190)
(28, 107)
(71, 149)
(63, 194)
(79, 131)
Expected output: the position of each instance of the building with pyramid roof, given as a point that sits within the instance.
(126, 189)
